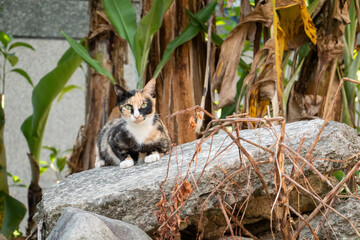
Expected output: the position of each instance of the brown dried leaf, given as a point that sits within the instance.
(261, 89)
(199, 115)
(245, 8)
(225, 76)
(192, 124)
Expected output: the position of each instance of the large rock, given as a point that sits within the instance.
(336, 226)
(76, 224)
(131, 194)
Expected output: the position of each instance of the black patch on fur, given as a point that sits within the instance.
(121, 94)
(148, 109)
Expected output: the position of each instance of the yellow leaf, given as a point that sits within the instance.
(279, 50)
(296, 22)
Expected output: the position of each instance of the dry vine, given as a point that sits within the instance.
(170, 209)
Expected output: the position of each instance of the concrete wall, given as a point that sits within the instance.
(65, 117)
(39, 23)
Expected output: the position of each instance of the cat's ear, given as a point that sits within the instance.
(121, 93)
(150, 88)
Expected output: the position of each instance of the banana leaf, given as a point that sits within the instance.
(190, 32)
(83, 53)
(43, 95)
(122, 16)
(148, 26)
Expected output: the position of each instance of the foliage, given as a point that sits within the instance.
(82, 52)
(12, 211)
(43, 95)
(8, 56)
(191, 30)
(279, 63)
(57, 161)
(122, 15)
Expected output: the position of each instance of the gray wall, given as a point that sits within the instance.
(65, 117)
(39, 22)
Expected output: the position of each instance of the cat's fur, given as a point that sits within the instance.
(138, 134)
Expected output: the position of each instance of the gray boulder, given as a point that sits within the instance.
(337, 227)
(76, 224)
(131, 194)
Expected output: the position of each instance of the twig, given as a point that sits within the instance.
(207, 75)
(329, 196)
(226, 217)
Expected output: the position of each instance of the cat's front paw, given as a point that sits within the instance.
(99, 164)
(152, 157)
(128, 162)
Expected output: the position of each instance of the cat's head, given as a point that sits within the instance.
(136, 105)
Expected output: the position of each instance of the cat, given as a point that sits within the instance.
(138, 134)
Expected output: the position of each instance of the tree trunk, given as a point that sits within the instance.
(180, 84)
(108, 48)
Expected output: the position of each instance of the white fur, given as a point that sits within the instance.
(136, 113)
(155, 156)
(99, 163)
(142, 130)
(128, 162)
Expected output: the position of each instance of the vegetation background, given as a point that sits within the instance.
(298, 50)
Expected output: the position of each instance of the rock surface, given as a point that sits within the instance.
(76, 224)
(336, 227)
(131, 194)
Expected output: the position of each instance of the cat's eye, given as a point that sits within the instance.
(128, 107)
(144, 105)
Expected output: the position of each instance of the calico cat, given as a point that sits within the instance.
(138, 134)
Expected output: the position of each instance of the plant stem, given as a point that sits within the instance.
(3, 78)
(4, 187)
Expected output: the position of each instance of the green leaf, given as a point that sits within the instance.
(4, 39)
(24, 74)
(21, 44)
(52, 149)
(14, 213)
(13, 60)
(339, 175)
(43, 169)
(15, 179)
(61, 163)
(82, 52)
(148, 26)
(196, 21)
(69, 53)
(346, 116)
(43, 95)
(190, 32)
(67, 89)
(122, 16)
